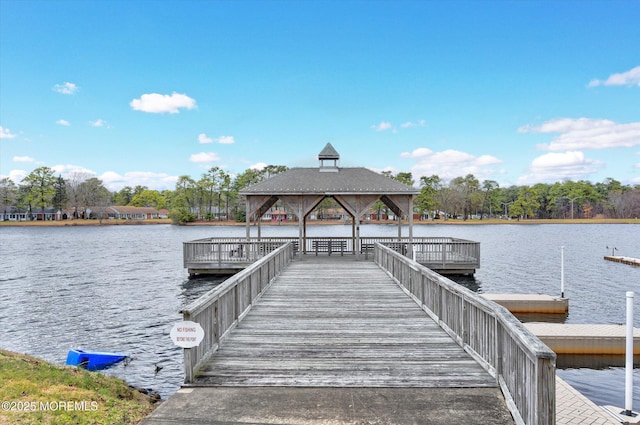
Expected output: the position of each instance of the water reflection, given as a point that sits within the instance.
(469, 282)
(542, 317)
(600, 362)
(195, 287)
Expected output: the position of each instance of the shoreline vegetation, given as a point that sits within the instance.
(34, 391)
(94, 222)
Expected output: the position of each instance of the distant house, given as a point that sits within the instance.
(123, 213)
(332, 214)
(279, 216)
(13, 213)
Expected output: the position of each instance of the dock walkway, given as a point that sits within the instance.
(340, 324)
(334, 340)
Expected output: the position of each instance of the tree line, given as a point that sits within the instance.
(215, 196)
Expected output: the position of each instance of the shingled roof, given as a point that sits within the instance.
(355, 189)
(328, 152)
(308, 181)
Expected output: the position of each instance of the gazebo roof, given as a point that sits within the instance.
(355, 189)
(328, 152)
(313, 181)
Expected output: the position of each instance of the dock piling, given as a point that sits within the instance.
(628, 392)
(562, 272)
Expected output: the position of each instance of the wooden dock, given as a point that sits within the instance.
(328, 322)
(585, 339)
(337, 322)
(624, 260)
(530, 303)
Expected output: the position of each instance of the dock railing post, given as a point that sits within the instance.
(628, 391)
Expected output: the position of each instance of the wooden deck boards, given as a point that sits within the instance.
(326, 323)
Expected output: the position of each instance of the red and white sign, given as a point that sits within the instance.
(187, 334)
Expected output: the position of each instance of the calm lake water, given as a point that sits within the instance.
(120, 288)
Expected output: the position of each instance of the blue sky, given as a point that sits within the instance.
(141, 92)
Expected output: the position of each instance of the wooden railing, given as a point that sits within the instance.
(523, 366)
(228, 250)
(441, 254)
(219, 310)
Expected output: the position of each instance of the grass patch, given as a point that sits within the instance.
(37, 392)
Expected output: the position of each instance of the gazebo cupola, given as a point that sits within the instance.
(329, 154)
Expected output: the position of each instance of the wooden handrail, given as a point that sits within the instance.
(219, 310)
(434, 252)
(523, 366)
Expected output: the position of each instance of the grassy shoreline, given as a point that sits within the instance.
(66, 223)
(34, 391)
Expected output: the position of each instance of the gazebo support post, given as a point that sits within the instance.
(357, 243)
(247, 220)
(302, 226)
(411, 226)
(353, 234)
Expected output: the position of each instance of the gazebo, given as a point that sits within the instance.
(355, 189)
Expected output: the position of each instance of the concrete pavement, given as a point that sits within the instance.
(332, 406)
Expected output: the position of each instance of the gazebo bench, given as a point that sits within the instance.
(329, 246)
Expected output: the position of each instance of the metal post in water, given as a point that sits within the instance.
(562, 272)
(628, 391)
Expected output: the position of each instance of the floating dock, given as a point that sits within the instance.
(585, 339)
(530, 303)
(622, 259)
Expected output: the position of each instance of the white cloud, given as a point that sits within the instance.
(111, 179)
(556, 166)
(156, 181)
(450, 163)
(417, 153)
(586, 133)
(65, 88)
(98, 123)
(386, 125)
(203, 138)
(408, 124)
(63, 122)
(5, 133)
(16, 176)
(204, 157)
(628, 78)
(226, 140)
(258, 166)
(383, 126)
(163, 103)
(23, 159)
(67, 169)
(223, 140)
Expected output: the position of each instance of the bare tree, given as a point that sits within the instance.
(74, 192)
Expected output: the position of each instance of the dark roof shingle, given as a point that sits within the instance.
(302, 181)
